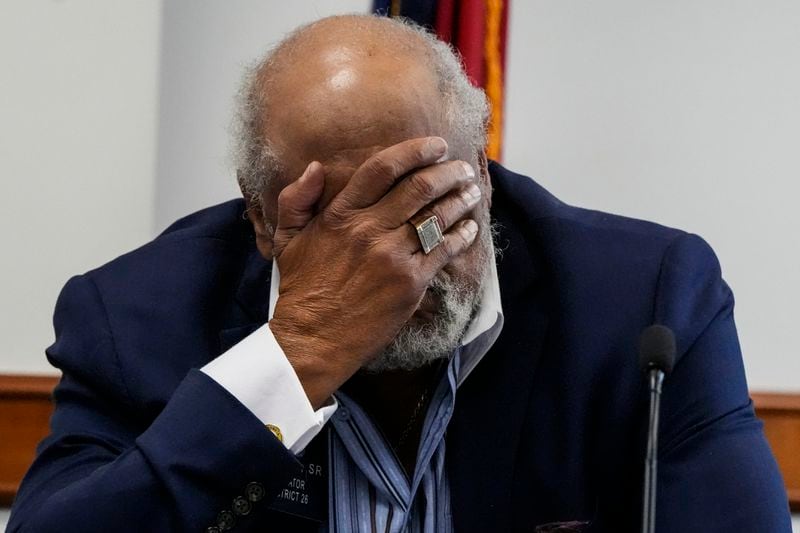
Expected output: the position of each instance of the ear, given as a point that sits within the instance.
(263, 229)
(485, 179)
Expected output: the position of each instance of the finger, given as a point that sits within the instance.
(448, 211)
(296, 204)
(420, 195)
(378, 174)
(456, 242)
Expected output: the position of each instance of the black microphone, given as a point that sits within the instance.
(656, 358)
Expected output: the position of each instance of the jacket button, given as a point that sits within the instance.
(254, 491)
(225, 520)
(242, 506)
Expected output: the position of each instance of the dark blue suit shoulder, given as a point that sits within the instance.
(161, 307)
(532, 202)
(222, 221)
(217, 226)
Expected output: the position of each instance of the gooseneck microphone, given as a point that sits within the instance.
(656, 358)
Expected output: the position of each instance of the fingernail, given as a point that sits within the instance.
(468, 169)
(471, 194)
(471, 227)
(437, 146)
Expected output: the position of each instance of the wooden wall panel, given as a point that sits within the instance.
(25, 409)
(781, 416)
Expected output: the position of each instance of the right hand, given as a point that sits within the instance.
(352, 275)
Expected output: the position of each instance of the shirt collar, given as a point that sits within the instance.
(485, 326)
(481, 333)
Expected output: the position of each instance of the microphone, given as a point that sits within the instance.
(656, 358)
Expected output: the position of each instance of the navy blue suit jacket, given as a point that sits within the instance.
(548, 428)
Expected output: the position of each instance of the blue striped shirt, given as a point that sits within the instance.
(369, 489)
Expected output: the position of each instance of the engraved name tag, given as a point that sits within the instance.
(306, 494)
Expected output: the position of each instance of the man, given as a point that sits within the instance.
(412, 376)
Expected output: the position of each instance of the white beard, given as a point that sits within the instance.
(419, 344)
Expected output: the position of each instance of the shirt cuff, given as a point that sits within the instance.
(258, 374)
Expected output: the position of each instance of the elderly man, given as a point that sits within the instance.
(412, 373)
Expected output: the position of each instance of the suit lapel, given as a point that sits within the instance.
(251, 302)
(483, 437)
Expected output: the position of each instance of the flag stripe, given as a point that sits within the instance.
(469, 38)
(494, 75)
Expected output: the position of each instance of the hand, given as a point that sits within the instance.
(353, 275)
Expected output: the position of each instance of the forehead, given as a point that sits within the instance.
(336, 100)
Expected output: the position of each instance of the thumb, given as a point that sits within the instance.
(296, 205)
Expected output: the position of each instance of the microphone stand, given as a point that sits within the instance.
(656, 380)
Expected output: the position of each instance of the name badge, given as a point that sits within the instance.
(306, 495)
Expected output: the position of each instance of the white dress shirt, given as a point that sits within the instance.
(258, 374)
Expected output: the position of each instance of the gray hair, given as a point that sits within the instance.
(466, 107)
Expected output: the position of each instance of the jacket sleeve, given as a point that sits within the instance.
(107, 467)
(716, 471)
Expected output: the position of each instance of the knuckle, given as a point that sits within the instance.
(446, 211)
(333, 215)
(421, 151)
(362, 232)
(441, 214)
(381, 165)
(460, 206)
(450, 247)
(455, 245)
(456, 170)
(455, 206)
(393, 263)
(423, 186)
(375, 164)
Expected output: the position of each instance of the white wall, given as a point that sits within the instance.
(205, 46)
(77, 153)
(683, 112)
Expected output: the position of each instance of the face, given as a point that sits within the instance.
(345, 104)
